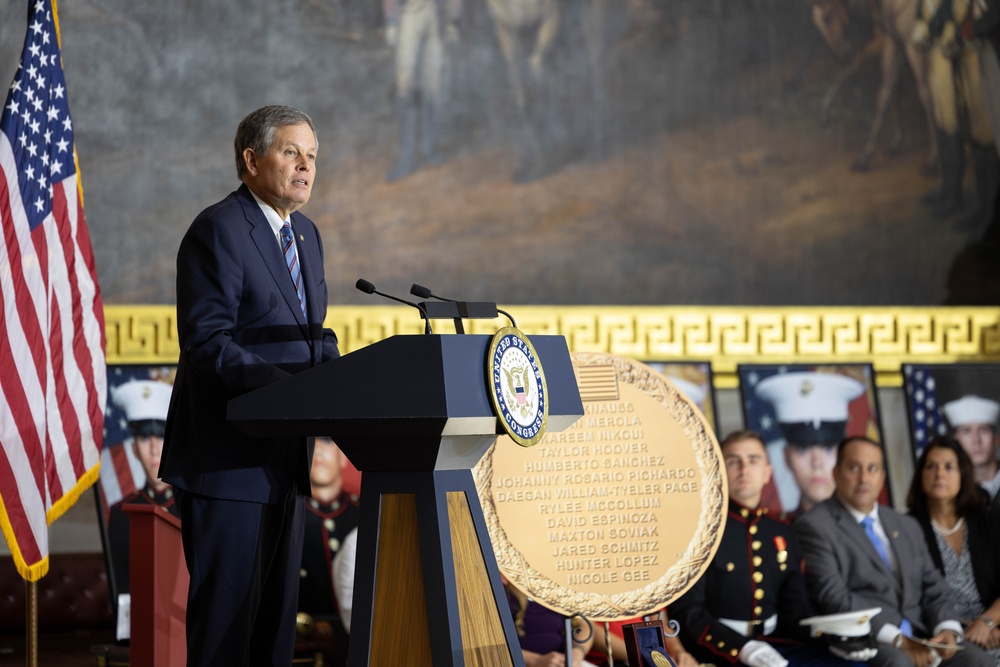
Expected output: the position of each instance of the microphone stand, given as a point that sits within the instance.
(457, 311)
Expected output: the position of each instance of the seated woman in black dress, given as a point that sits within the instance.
(963, 536)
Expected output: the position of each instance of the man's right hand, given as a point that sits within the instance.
(919, 655)
(949, 638)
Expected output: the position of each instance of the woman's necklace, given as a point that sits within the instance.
(943, 532)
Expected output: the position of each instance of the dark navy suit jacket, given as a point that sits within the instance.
(240, 327)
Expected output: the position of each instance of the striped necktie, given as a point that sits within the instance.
(292, 260)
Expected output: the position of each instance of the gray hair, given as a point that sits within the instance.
(256, 131)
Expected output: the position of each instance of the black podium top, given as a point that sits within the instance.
(400, 397)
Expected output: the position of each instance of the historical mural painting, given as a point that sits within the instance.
(552, 151)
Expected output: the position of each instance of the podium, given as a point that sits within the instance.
(158, 586)
(413, 413)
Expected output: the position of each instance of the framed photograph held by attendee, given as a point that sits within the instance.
(802, 411)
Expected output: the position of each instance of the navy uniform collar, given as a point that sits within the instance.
(745, 513)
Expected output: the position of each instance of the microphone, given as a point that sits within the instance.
(369, 288)
(466, 309)
(425, 293)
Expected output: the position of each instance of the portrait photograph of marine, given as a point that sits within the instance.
(135, 418)
(694, 379)
(802, 411)
(961, 401)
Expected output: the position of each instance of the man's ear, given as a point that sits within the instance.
(250, 161)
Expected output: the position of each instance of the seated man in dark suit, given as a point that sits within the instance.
(746, 608)
(861, 555)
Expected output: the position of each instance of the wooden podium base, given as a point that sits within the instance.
(427, 589)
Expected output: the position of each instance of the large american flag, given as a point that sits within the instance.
(52, 369)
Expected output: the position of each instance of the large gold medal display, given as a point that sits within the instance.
(619, 514)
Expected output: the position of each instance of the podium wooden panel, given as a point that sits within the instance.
(427, 591)
(158, 586)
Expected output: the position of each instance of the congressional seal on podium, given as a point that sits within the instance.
(620, 513)
(517, 386)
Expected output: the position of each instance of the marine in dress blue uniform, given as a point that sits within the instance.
(331, 513)
(753, 594)
(327, 524)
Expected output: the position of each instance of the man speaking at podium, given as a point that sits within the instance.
(251, 301)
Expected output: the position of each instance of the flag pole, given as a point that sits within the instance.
(32, 625)
(31, 598)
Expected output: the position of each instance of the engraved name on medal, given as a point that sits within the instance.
(617, 515)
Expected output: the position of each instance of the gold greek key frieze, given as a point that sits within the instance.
(723, 335)
(141, 334)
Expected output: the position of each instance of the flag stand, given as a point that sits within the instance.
(32, 623)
